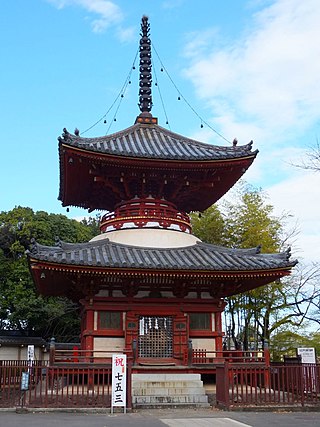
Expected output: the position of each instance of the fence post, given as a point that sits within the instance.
(267, 363)
(223, 384)
(303, 379)
(129, 384)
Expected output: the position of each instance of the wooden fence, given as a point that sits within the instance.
(207, 357)
(269, 385)
(83, 385)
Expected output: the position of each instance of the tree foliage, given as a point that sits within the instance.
(247, 220)
(21, 308)
(285, 343)
(209, 225)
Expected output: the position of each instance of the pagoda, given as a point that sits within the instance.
(146, 284)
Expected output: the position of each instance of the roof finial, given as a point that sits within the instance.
(145, 98)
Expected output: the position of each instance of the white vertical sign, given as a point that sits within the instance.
(30, 354)
(119, 380)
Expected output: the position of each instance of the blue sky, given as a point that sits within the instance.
(250, 69)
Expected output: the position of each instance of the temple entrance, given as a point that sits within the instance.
(155, 337)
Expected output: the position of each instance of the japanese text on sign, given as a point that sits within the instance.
(119, 379)
(308, 355)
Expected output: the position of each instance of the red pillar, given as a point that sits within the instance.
(88, 331)
(267, 369)
(89, 341)
(218, 327)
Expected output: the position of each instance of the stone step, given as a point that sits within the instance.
(166, 391)
(166, 377)
(170, 405)
(170, 399)
(168, 384)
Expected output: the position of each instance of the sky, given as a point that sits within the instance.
(245, 69)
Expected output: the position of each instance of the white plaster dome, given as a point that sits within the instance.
(152, 238)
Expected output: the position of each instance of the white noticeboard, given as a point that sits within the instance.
(119, 381)
(25, 381)
(308, 355)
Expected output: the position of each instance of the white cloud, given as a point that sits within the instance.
(269, 76)
(265, 86)
(197, 43)
(108, 13)
(126, 34)
(172, 4)
(300, 196)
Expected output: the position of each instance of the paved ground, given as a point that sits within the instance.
(162, 418)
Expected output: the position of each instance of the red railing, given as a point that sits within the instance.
(268, 385)
(72, 385)
(80, 356)
(206, 357)
(57, 386)
(142, 211)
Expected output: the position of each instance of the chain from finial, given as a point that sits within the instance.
(145, 97)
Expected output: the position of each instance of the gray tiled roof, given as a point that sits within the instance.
(21, 340)
(201, 256)
(154, 142)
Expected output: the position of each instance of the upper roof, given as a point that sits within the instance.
(144, 160)
(151, 141)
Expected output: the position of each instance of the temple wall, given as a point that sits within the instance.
(203, 343)
(112, 325)
(20, 353)
(108, 344)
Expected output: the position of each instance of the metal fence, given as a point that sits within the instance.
(270, 385)
(39, 385)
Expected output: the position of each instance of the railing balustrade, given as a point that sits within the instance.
(66, 385)
(267, 385)
(207, 357)
(83, 379)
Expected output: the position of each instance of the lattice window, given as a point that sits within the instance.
(155, 336)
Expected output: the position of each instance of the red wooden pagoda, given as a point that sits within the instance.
(146, 284)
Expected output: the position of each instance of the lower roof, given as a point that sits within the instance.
(198, 257)
(83, 269)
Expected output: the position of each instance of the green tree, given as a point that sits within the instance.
(21, 308)
(209, 225)
(248, 221)
(285, 343)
